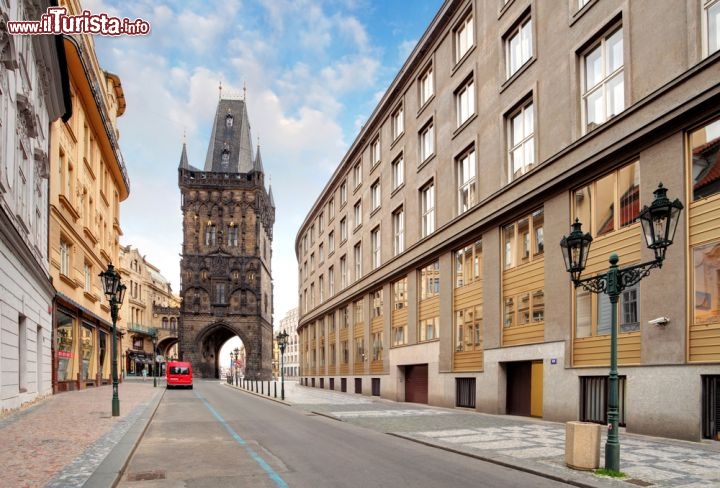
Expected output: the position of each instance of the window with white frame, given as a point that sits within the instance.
(321, 222)
(521, 154)
(331, 242)
(331, 208)
(375, 151)
(519, 47)
(64, 258)
(357, 256)
(321, 288)
(603, 79)
(427, 142)
(398, 172)
(398, 124)
(467, 182)
(331, 281)
(464, 37)
(375, 195)
(343, 272)
(465, 101)
(398, 222)
(343, 193)
(375, 247)
(357, 213)
(357, 174)
(426, 86)
(711, 25)
(429, 278)
(87, 273)
(321, 253)
(427, 209)
(343, 229)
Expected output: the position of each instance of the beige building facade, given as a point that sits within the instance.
(88, 180)
(430, 268)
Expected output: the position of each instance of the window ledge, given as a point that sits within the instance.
(517, 74)
(462, 126)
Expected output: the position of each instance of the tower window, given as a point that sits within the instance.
(229, 121)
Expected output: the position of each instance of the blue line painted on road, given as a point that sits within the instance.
(256, 457)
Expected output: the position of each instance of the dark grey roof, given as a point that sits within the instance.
(183, 158)
(258, 161)
(230, 147)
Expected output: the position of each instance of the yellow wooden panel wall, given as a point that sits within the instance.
(595, 351)
(704, 220)
(465, 297)
(429, 308)
(522, 279)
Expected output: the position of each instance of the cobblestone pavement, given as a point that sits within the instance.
(528, 444)
(60, 440)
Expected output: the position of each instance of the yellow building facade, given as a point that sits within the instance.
(88, 180)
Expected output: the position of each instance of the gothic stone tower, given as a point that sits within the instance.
(226, 279)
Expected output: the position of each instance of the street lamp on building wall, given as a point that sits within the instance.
(282, 338)
(115, 291)
(659, 222)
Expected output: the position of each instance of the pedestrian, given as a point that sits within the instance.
(144, 372)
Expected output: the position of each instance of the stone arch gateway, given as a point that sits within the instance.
(226, 279)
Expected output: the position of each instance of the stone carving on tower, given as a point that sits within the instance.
(226, 279)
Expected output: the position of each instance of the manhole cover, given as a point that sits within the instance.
(157, 474)
(638, 482)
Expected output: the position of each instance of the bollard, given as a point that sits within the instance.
(275, 390)
(262, 388)
(268, 387)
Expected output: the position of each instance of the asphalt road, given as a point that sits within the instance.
(214, 436)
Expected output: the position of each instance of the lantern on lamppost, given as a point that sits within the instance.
(115, 292)
(659, 222)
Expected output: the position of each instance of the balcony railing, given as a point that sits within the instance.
(141, 329)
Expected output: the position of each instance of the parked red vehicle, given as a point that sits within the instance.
(179, 373)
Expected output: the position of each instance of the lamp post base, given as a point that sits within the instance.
(612, 457)
(115, 407)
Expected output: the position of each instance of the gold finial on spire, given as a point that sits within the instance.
(244, 91)
(220, 91)
(184, 135)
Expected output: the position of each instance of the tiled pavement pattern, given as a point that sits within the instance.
(529, 444)
(61, 439)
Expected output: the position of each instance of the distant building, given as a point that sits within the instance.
(88, 180)
(33, 92)
(429, 267)
(288, 324)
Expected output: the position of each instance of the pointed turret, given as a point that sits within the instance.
(258, 166)
(183, 158)
(230, 147)
(270, 197)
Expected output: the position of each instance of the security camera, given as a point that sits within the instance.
(659, 321)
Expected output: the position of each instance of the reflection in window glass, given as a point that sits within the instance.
(583, 314)
(706, 260)
(705, 153)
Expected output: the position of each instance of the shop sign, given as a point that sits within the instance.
(65, 354)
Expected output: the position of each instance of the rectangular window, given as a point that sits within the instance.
(521, 147)
(467, 183)
(468, 264)
(426, 86)
(427, 329)
(706, 283)
(343, 272)
(398, 125)
(464, 38)
(399, 333)
(321, 253)
(345, 352)
(210, 234)
(343, 193)
(343, 230)
(331, 208)
(603, 77)
(232, 233)
(468, 329)
(331, 242)
(400, 294)
(375, 152)
(705, 156)
(427, 209)
(519, 47)
(331, 281)
(375, 195)
(430, 281)
(357, 174)
(712, 25)
(64, 258)
(87, 273)
(375, 247)
(427, 142)
(524, 240)
(377, 303)
(358, 312)
(610, 202)
(321, 288)
(398, 219)
(219, 294)
(359, 349)
(465, 102)
(377, 347)
(398, 172)
(357, 254)
(357, 213)
(321, 222)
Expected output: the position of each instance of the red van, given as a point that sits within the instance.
(179, 373)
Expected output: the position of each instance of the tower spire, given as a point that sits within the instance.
(220, 91)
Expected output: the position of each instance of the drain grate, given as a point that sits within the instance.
(158, 474)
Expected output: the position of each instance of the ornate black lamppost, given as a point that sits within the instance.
(115, 291)
(154, 341)
(659, 222)
(236, 354)
(282, 342)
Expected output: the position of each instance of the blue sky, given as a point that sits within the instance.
(314, 71)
